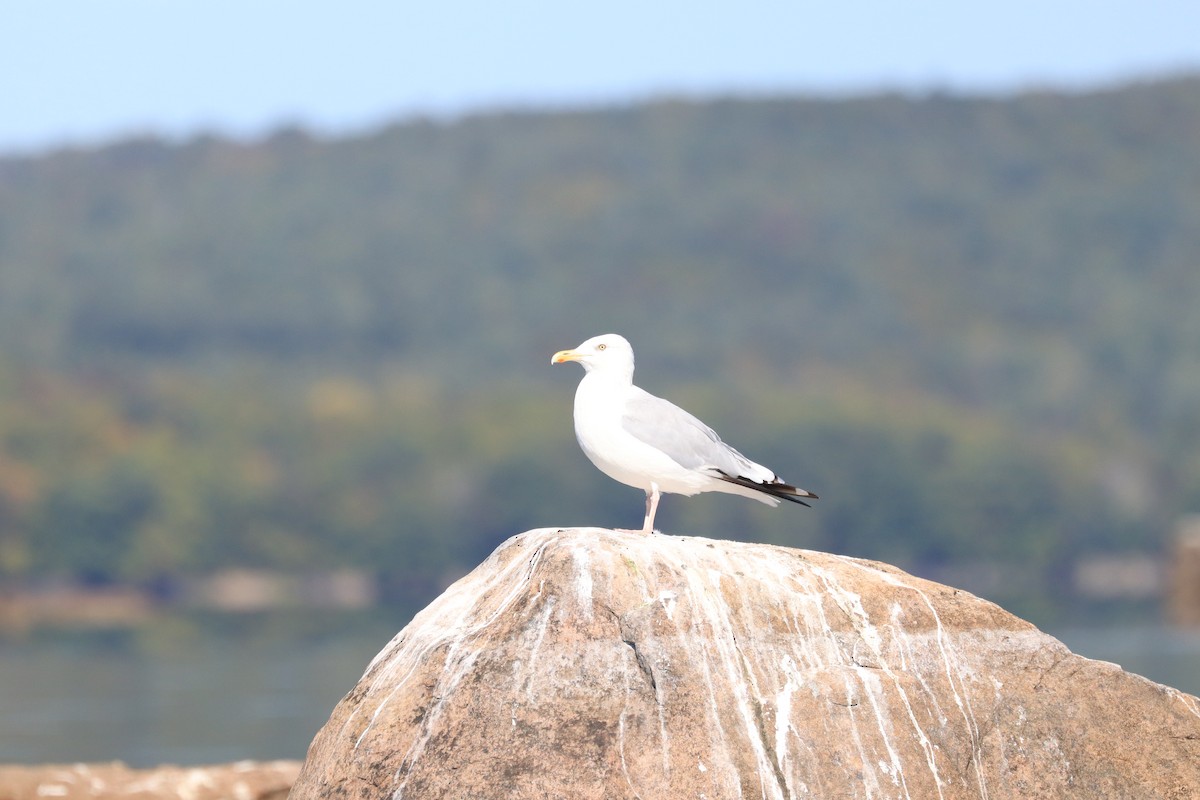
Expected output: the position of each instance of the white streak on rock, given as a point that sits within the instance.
(667, 599)
(874, 694)
(428, 632)
(955, 679)
(783, 718)
(870, 781)
(621, 735)
(737, 673)
(540, 628)
(583, 580)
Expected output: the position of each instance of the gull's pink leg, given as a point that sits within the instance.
(652, 497)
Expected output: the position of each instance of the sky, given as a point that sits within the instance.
(87, 72)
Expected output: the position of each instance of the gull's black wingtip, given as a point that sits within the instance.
(781, 490)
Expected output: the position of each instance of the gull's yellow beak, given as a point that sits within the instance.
(565, 355)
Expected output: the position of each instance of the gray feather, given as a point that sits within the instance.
(685, 439)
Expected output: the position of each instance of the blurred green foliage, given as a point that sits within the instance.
(969, 324)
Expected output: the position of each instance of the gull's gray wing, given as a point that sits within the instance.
(688, 441)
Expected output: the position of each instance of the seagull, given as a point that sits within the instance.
(652, 444)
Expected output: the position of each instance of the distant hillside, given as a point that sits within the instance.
(1028, 266)
(837, 230)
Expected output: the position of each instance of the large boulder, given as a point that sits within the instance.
(589, 663)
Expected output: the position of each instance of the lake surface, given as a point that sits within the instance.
(182, 691)
(193, 691)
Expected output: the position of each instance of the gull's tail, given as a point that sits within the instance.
(773, 487)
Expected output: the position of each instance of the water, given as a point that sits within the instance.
(193, 691)
(182, 692)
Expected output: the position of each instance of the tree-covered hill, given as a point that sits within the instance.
(968, 322)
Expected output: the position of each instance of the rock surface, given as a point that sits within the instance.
(244, 780)
(591, 663)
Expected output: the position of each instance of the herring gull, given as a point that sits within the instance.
(654, 445)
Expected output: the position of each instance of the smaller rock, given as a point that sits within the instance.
(243, 780)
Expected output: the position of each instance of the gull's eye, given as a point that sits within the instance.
(601, 346)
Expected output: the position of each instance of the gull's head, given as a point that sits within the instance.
(607, 352)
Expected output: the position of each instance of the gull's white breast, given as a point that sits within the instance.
(599, 406)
